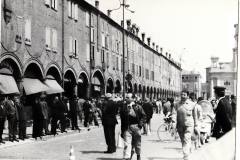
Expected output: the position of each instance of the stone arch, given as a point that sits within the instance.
(98, 87)
(69, 83)
(118, 86)
(55, 72)
(110, 86)
(83, 84)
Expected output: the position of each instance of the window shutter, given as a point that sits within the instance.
(72, 10)
(76, 11)
(88, 51)
(28, 29)
(56, 5)
(53, 3)
(92, 34)
(70, 45)
(69, 8)
(54, 38)
(47, 2)
(87, 18)
(48, 38)
(103, 40)
(76, 47)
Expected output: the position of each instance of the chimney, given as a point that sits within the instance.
(137, 31)
(143, 37)
(129, 24)
(133, 28)
(97, 4)
(161, 50)
(170, 56)
(167, 54)
(109, 13)
(149, 41)
(157, 48)
(153, 44)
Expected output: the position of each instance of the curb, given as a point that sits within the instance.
(47, 137)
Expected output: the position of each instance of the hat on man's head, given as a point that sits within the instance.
(219, 89)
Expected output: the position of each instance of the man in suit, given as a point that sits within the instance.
(109, 122)
(223, 113)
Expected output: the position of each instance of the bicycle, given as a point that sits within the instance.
(167, 130)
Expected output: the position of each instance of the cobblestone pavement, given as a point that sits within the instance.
(89, 145)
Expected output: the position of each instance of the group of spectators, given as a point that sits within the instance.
(49, 114)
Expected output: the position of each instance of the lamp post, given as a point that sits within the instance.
(123, 5)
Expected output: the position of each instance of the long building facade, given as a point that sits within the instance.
(82, 48)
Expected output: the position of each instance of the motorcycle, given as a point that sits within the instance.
(207, 121)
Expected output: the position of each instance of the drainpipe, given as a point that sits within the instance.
(63, 43)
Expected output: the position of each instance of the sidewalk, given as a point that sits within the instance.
(46, 137)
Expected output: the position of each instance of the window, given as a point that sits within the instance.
(102, 56)
(19, 31)
(92, 53)
(87, 19)
(28, 31)
(121, 64)
(73, 46)
(108, 59)
(73, 10)
(133, 68)
(106, 42)
(117, 65)
(140, 71)
(54, 4)
(113, 61)
(152, 75)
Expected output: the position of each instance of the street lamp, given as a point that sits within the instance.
(124, 6)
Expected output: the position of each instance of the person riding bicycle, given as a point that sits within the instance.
(169, 110)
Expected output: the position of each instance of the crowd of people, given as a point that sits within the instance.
(53, 112)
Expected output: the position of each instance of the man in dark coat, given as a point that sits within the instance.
(73, 112)
(109, 122)
(148, 109)
(223, 113)
(12, 117)
(3, 115)
(87, 109)
(21, 118)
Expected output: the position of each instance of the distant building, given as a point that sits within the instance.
(223, 73)
(204, 87)
(191, 81)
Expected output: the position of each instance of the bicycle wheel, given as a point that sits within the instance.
(163, 133)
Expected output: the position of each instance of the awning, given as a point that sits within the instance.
(53, 86)
(8, 85)
(32, 86)
(96, 81)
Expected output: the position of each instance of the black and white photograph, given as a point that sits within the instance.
(119, 80)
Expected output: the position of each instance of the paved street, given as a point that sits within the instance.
(89, 145)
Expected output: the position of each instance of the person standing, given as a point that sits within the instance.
(86, 110)
(186, 122)
(109, 122)
(132, 121)
(73, 112)
(233, 104)
(12, 117)
(223, 113)
(38, 116)
(3, 115)
(148, 109)
(21, 118)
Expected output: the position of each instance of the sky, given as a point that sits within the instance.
(191, 30)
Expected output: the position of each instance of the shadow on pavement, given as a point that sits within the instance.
(109, 158)
(173, 148)
(162, 158)
(160, 141)
(90, 152)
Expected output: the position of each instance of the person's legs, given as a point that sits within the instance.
(106, 134)
(127, 136)
(2, 120)
(136, 141)
(11, 128)
(187, 142)
(112, 141)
